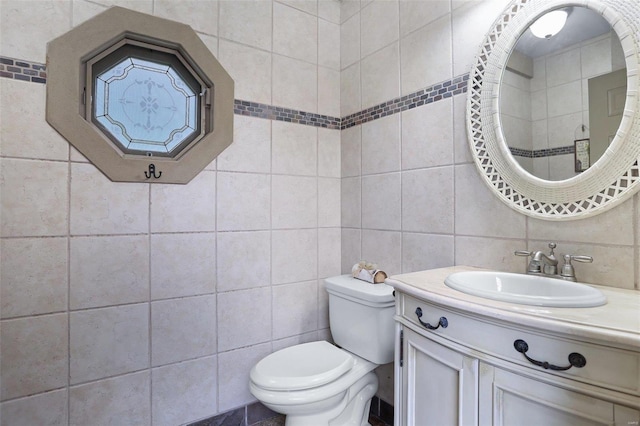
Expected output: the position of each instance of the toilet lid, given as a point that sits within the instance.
(302, 367)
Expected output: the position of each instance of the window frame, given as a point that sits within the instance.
(70, 59)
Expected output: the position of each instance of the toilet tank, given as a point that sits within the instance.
(361, 317)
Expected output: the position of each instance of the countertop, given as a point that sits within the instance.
(615, 323)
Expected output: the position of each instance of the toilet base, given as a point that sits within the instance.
(352, 410)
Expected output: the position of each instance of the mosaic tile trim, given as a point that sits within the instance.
(36, 72)
(18, 69)
(254, 109)
(540, 153)
(437, 92)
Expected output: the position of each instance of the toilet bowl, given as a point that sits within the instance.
(318, 383)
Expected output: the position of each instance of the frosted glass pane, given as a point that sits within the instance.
(145, 106)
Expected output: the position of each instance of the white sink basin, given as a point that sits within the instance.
(526, 289)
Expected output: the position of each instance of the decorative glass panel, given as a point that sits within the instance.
(145, 106)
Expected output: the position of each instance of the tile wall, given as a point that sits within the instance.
(151, 302)
(126, 303)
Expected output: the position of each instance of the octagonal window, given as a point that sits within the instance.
(146, 101)
(141, 97)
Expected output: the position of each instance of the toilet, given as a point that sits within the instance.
(319, 383)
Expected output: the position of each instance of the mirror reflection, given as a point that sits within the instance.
(562, 94)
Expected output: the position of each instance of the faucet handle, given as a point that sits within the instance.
(583, 259)
(523, 253)
(568, 272)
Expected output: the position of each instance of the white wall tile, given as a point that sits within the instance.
(45, 22)
(244, 318)
(244, 201)
(329, 10)
(462, 151)
(381, 201)
(294, 149)
(184, 208)
(108, 271)
(350, 90)
(33, 356)
(425, 56)
(479, 212)
(329, 152)
(351, 248)
(427, 135)
(244, 260)
(295, 308)
(251, 147)
(416, 13)
(329, 194)
(294, 203)
(381, 145)
(248, 22)
(329, 252)
(29, 135)
(328, 92)
(34, 198)
(183, 329)
(108, 341)
(381, 76)
(294, 255)
(380, 22)
(490, 253)
(99, 206)
(200, 15)
(350, 41)
(172, 275)
(45, 409)
(184, 392)
(295, 84)
(328, 44)
(351, 202)
(295, 33)
(383, 248)
(107, 402)
(233, 376)
(426, 251)
(427, 200)
(351, 152)
(33, 277)
(563, 68)
(241, 62)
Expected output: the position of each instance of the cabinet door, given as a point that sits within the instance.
(510, 399)
(440, 385)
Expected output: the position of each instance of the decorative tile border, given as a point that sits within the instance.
(254, 109)
(18, 69)
(540, 153)
(437, 92)
(36, 72)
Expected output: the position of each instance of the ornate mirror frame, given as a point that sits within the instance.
(612, 180)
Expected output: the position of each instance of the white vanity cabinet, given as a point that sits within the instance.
(475, 370)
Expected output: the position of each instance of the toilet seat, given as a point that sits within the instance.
(300, 367)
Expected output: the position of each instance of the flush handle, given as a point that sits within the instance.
(441, 323)
(575, 359)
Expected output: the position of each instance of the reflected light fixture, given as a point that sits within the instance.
(549, 24)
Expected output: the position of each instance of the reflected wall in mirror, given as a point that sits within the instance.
(558, 90)
(493, 130)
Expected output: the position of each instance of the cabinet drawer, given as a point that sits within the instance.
(606, 367)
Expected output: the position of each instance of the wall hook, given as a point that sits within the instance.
(152, 172)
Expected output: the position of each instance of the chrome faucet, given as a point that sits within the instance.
(547, 265)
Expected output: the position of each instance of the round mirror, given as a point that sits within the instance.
(553, 118)
(562, 95)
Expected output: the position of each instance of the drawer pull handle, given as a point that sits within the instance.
(441, 323)
(575, 359)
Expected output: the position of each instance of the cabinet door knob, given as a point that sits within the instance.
(441, 323)
(575, 359)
